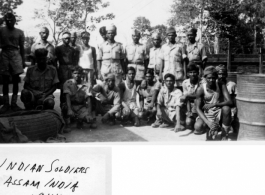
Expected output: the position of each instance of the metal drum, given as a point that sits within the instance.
(251, 106)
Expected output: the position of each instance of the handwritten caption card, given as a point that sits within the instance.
(55, 170)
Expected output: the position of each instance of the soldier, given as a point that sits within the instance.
(154, 60)
(87, 59)
(196, 51)
(109, 101)
(172, 56)
(111, 57)
(65, 58)
(43, 43)
(76, 48)
(103, 33)
(40, 83)
(136, 56)
(213, 104)
(12, 60)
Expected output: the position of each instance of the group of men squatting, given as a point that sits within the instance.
(125, 84)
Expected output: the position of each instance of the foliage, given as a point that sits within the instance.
(142, 24)
(9, 5)
(66, 15)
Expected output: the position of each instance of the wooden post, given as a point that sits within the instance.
(229, 56)
(260, 60)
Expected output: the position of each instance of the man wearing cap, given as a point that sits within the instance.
(173, 56)
(79, 101)
(87, 59)
(213, 104)
(136, 57)
(154, 60)
(40, 83)
(12, 60)
(103, 33)
(43, 43)
(111, 57)
(195, 51)
(109, 100)
(75, 47)
(65, 58)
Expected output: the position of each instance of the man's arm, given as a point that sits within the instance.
(69, 105)
(50, 91)
(199, 98)
(227, 99)
(22, 49)
(94, 55)
(35, 92)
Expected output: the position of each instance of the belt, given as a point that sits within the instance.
(137, 63)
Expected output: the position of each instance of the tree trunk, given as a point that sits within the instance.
(216, 44)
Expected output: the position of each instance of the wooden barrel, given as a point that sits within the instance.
(251, 106)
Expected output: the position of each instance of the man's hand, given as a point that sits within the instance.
(177, 128)
(208, 106)
(70, 113)
(213, 126)
(38, 94)
(124, 76)
(126, 110)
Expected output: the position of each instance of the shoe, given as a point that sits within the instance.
(164, 125)
(156, 124)
(4, 108)
(15, 107)
(136, 122)
(199, 132)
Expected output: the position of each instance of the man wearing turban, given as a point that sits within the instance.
(111, 57)
(195, 51)
(173, 56)
(108, 102)
(213, 104)
(43, 43)
(154, 60)
(136, 56)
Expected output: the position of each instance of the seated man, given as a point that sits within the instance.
(78, 101)
(189, 92)
(128, 94)
(40, 83)
(232, 90)
(109, 101)
(216, 109)
(169, 105)
(148, 92)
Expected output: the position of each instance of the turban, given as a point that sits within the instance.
(85, 34)
(9, 16)
(110, 76)
(171, 30)
(136, 32)
(221, 67)
(192, 31)
(209, 70)
(156, 35)
(66, 35)
(111, 27)
(44, 29)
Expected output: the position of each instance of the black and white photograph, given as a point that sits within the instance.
(85, 71)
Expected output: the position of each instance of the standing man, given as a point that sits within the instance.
(172, 56)
(155, 62)
(40, 83)
(12, 60)
(87, 59)
(75, 47)
(111, 57)
(43, 43)
(65, 59)
(196, 51)
(136, 57)
(103, 33)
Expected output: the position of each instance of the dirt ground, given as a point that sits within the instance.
(118, 133)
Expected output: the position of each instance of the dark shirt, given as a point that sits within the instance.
(11, 38)
(41, 80)
(65, 55)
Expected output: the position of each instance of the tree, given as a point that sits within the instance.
(142, 24)
(9, 5)
(65, 15)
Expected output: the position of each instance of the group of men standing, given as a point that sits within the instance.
(120, 83)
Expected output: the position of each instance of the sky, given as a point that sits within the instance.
(125, 11)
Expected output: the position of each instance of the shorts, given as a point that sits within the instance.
(11, 62)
